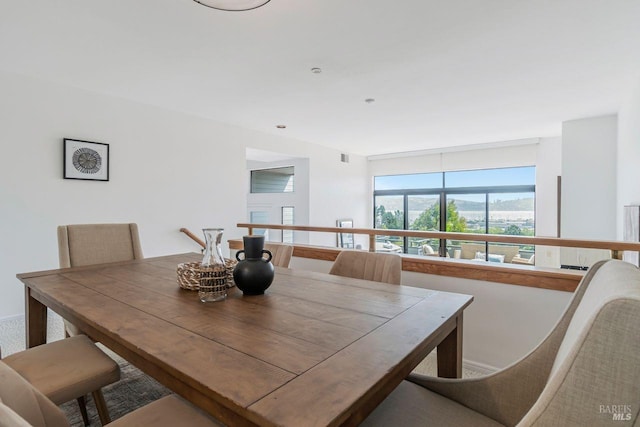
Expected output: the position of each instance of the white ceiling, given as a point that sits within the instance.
(443, 73)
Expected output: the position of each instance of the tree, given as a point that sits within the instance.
(390, 220)
(430, 219)
(513, 230)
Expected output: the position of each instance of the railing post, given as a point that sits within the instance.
(372, 243)
(615, 254)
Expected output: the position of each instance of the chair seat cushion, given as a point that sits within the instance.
(170, 411)
(20, 400)
(412, 405)
(67, 369)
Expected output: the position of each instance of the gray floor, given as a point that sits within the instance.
(429, 366)
(12, 332)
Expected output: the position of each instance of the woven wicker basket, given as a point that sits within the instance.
(189, 274)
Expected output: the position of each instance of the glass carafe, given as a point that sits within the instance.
(213, 273)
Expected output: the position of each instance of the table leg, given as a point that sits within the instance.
(450, 353)
(35, 320)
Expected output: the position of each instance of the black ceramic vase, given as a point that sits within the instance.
(253, 274)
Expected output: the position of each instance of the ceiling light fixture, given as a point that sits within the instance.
(316, 70)
(233, 5)
(281, 126)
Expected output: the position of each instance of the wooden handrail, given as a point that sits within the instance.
(531, 276)
(510, 274)
(614, 246)
(193, 237)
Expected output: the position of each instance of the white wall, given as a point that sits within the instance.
(548, 169)
(336, 189)
(335, 193)
(589, 163)
(628, 170)
(273, 202)
(168, 170)
(589, 178)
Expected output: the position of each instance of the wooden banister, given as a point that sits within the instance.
(511, 274)
(496, 238)
(522, 275)
(193, 236)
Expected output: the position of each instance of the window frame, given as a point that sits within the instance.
(253, 172)
(443, 192)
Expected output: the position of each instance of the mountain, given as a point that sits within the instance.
(422, 203)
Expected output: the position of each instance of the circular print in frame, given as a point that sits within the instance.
(86, 160)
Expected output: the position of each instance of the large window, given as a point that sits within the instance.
(390, 215)
(275, 180)
(489, 201)
(287, 219)
(423, 214)
(260, 217)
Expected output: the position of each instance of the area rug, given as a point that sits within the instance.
(135, 389)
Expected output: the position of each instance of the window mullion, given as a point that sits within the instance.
(405, 239)
(443, 220)
(486, 225)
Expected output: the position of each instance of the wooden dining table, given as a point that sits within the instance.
(314, 350)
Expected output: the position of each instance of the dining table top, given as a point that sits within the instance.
(314, 350)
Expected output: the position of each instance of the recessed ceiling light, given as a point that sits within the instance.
(281, 126)
(369, 100)
(316, 70)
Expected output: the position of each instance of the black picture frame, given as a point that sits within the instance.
(85, 160)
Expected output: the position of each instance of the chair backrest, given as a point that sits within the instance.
(21, 403)
(378, 267)
(595, 377)
(469, 250)
(427, 250)
(507, 395)
(86, 244)
(281, 254)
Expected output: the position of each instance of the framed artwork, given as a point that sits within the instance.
(345, 240)
(85, 160)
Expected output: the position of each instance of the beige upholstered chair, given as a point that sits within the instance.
(470, 250)
(281, 254)
(66, 370)
(368, 266)
(22, 405)
(169, 411)
(87, 244)
(427, 250)
(524, 261)
(587, 364)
